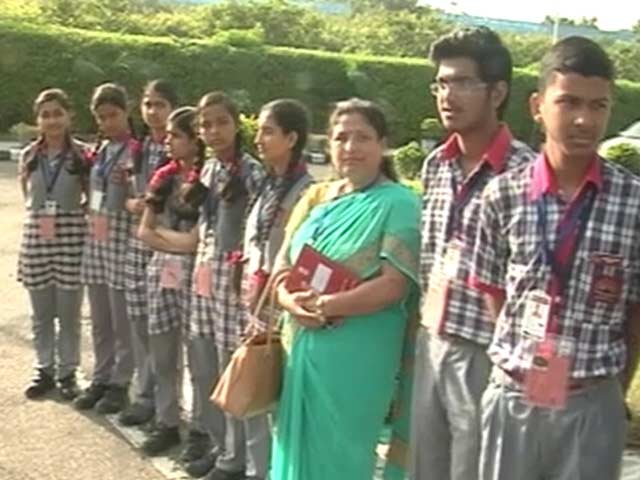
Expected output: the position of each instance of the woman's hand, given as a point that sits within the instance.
(300, 305)
(135, 206)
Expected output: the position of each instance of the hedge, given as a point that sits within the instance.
(34, 57)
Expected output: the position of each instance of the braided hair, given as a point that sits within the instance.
(192, 192)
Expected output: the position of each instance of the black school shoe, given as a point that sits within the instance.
(197, 446)
(161, 439)
(115, 399)
(68, 387)
(90, 396)
(217, 474)
(136, 414)
(41, 383)
(203, 465)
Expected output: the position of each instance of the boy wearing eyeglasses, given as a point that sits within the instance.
(471, 89)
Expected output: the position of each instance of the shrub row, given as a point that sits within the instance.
(33, 57)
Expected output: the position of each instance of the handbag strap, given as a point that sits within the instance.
(269, 292)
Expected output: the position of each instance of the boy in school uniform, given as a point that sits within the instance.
(471, 89)
(558, 257)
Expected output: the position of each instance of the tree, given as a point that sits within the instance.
(583, 22)
(359, 6)
(636, 27)
(588, 22)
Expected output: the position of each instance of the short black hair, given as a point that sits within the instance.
(485, 48)
(575, 55)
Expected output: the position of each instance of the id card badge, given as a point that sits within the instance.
(171, 274)
(547, 379)
(47, 227)
(435, 302)
(202, 280)
(97, 198)
(537, 311)
(50, 208)
(100, 228)
(451, 262)
(47, 221)
(444, 271)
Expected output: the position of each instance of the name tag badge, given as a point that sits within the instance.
(536, 314)
(171, 274)
(451, 262)
(434, 305)
(100, 228)
(547, 380)
(97, 199)
(50, 208)
(202, 280)
(47, 227)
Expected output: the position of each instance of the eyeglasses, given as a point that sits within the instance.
(457, 86)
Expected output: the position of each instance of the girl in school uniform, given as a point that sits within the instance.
(169, 274)
(53, 177)
(283, 127)
(232, 180)
(103, 263)
(158, 100)
(282, 135)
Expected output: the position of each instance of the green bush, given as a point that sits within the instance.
(432, 129)
(407, 160)
(625, 155)
(33, 57)
(249, 128)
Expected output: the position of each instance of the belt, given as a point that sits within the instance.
(516, 378)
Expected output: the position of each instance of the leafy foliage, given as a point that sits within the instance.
(376, 27)
(407, 160)
(625, 155)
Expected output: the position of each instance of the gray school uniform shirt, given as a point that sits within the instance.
(67, 188)
(109, 176)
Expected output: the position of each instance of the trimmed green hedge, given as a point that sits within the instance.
(35, 57)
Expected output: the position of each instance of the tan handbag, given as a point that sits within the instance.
(251, 383)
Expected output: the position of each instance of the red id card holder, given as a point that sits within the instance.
(202, 280)
(171, 274)
(547, 379)
(100, 227)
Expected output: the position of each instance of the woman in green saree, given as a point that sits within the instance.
(340, 376)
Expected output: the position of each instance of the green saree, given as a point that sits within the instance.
(339, 383)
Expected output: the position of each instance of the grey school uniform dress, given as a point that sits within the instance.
(248, 442)
(138, 256)
(215, 322)
(169, 313)
(49, 268)
(103, 265)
